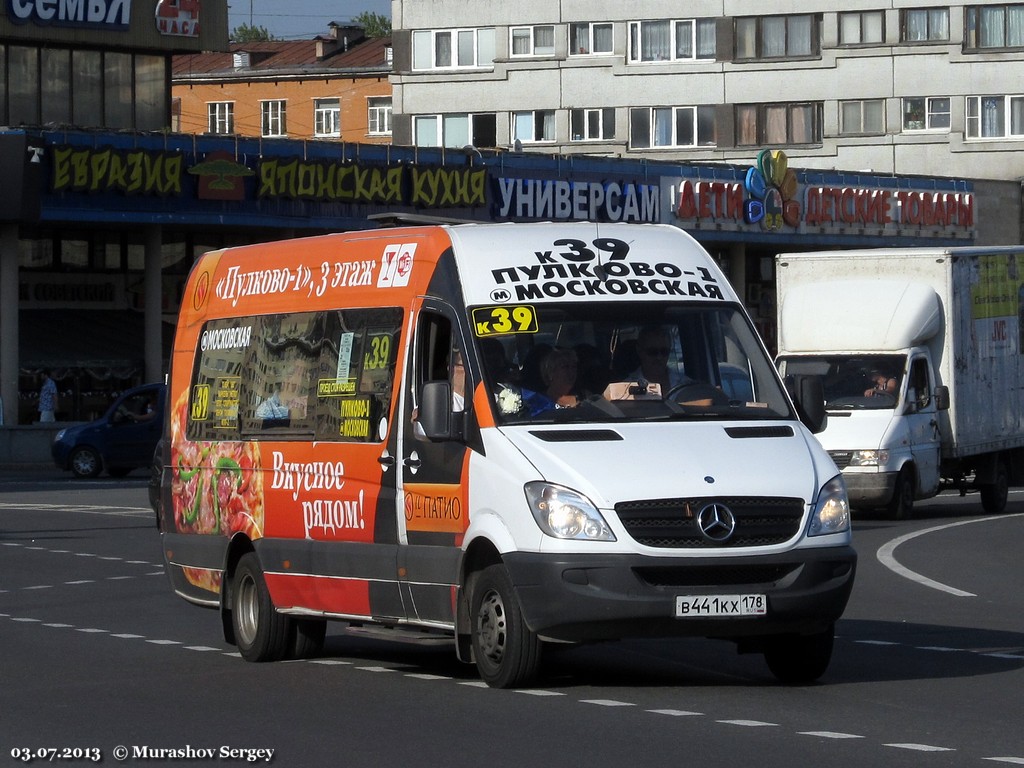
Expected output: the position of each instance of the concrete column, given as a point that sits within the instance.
(153, 296)
(9, 323)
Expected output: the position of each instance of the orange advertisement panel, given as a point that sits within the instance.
(435, 507)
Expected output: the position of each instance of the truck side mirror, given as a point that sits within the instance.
(942, 398)
(808, 395)
(436, 417)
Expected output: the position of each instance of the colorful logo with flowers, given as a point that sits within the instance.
(771, 191)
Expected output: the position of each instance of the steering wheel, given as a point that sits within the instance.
(689, 391)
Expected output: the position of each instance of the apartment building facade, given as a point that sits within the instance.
(331, 88)
(883, 86)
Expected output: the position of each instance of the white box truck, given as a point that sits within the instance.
(921, 353)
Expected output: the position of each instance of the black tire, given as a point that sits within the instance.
(261, 633)
(86, 462)
(995, 494)
(307, 638)
(506, 651)
(901, 505)
(800, 659)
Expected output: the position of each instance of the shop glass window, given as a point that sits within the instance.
(118, 105)
(925, 25)
(87, 88)
(327, 117)
(860, 117)
(862, 28)
(23, 85)
(995, 117)
(56, 98)
(151, 97)
(590, 39)
(926, 114)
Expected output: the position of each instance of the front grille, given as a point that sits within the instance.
(841, 458)
(672, 523)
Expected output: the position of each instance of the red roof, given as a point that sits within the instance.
(287, 57)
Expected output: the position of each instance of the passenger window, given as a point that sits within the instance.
(295, 376)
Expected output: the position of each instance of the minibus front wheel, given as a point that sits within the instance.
(505, 649)
(261, 633)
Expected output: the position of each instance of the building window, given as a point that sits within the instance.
(682, 40)
(864, 28)
(926, 114)
(924, 25)
(775, 124)
(455, 130)
(592, 124)
(273, 120)
(589, 39)
(995, 117)
(657, 127)
(221, 117)
(452, 49)
(56, 97)
(533, 126)
(994, 26)
(862, 117)
(379, 115)
(778, 37)
(87, 88)
(533, 41)
(327, 118)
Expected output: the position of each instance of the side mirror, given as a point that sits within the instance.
(808, 395)
(435, 415)
(942, 398)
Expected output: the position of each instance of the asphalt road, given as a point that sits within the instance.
(97, 655)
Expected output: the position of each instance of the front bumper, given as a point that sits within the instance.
(873, 489)
(585, 598)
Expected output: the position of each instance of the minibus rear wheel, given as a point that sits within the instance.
(506, 651)
(262, 634)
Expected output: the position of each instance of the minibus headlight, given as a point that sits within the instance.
(869, 458)
(832, 510)
(566, 514)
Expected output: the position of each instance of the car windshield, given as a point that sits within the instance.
(599, 362)
(852, 382)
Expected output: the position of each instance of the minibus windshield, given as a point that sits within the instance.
(635, 361)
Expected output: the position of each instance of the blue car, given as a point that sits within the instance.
(123, 439)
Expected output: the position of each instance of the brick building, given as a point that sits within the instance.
(333, 87)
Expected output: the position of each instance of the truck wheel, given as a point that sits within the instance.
(901, 506)
(86, 462)
(308, 638)
(994, 495)
(800, 659)
(506, 651)
(261, 632)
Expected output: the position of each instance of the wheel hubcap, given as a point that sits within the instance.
(247, 610)
(491, 627)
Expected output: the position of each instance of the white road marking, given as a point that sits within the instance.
(920, 747)
(607, 702)
(749, 723)
(539, 692)
(1011, 760)
(675, 712)
(887, 558)
(830, 734)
